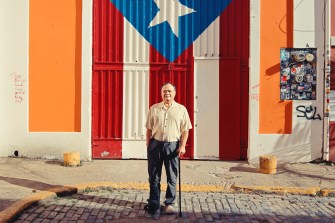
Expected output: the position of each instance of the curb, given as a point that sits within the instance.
(13, 210)
(9, 213)
(282, 190)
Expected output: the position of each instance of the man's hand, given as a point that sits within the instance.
(181, 150)
(183, 140)
(148, 137)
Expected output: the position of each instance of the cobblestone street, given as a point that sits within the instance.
(122, 205)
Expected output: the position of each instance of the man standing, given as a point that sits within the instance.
(167, 126)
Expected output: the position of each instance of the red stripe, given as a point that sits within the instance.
(181, 74)
(107, 80)
(332, 141)
(233, 80)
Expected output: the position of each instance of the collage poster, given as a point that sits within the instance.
(298, 73)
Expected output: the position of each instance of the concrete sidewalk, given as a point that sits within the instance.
(21, 177)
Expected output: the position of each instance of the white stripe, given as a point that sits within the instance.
(135, 93)
(206, 85)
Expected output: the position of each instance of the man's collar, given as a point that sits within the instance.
(174, 104)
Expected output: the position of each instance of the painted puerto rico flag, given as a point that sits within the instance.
(140, 44)
(171, 26)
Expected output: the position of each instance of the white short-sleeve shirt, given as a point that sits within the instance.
(167, 125)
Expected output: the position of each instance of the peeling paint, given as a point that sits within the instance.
(104, 153)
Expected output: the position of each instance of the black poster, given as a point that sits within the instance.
(298, 73)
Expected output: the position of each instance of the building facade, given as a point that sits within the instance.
(81, 75)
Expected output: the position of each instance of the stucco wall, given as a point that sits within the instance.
(14, 93)
(305, 142)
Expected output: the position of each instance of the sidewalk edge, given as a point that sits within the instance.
(312, 191)
(13, 210)
(9, 213)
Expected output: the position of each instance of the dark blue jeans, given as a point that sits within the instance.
(159, 153)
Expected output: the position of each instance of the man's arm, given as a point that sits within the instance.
(148, 136)
(182, 146)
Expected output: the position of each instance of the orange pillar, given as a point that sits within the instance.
(276, 32)
(55, 65)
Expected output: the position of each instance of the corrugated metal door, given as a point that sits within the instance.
(332, 88)
(180, 73)
(332, 103)
(230, 109)
(107, 81)
(127, 72)
(234, 80)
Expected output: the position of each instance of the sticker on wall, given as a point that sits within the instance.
(298, 76)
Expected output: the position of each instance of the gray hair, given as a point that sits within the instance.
(166, 83)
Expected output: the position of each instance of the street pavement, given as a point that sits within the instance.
(122, 205)
(212, 191)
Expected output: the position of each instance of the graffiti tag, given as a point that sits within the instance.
(255, 86)
(254, 97)
(18, 87)
(308, 112)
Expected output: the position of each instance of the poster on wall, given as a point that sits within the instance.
(298, 73)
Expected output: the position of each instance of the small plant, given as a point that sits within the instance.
(88, 190)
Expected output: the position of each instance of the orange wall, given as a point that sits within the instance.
(55, 65)
(276, 32)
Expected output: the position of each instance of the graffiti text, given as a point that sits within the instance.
(308, 112)
(18, 87)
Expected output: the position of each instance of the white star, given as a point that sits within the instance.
(170, 11)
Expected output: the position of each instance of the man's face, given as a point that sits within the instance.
(168, 93)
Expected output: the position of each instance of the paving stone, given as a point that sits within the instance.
(105, 205)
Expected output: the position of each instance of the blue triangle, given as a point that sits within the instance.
(141, 12)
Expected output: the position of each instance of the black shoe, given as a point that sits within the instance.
(153, 211)
(156, 214)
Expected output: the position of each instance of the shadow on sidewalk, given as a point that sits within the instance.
(291, 172)
(54, 162)
(284, 169)
(29, 183)
(59, 190)
(244, 169)
(5, 204)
